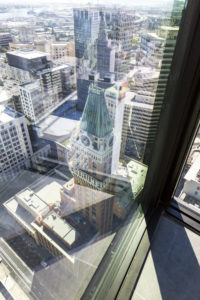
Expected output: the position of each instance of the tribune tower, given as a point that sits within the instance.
(91, 157)
(92, 143)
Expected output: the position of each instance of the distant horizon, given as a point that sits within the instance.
(140, 3)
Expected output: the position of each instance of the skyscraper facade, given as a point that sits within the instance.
(105, 51)
(86, 28)
(102, 46)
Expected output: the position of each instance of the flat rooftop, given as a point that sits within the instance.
(170, 28)
(39, 201)
(61, 44)
(32, 202)
(147, 72)
(129, 100)
(30, 85)
(4, 95)
(57, 128)
(48, 188)
(153, 35)
(77, 197)
(137, 173)
(8, 114)
(28, 54)
(134, 171)
(61, 228)
(63, 66)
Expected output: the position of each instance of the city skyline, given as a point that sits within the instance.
(156, 3)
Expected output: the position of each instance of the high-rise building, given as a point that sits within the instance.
(93, 143)
(24, 64)
(86, 28)
(120, 25)
(34, 102)
(145, 79)
(169, 34)
(57, 80)
(105, 51)
(138, 131)
(115, 97)
(84, 81)
(15, 145)
(91, 151)
(151, 49)
(28, 60)
(103, 43)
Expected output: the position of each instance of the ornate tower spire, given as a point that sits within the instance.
(92, 145)
(105, 51)
(102, 29)
(96, 119)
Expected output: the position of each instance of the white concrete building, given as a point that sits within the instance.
(18, 75)
(137, 126)
(115, 103)
(146, 79)
(34, 102)
(15, 145)
(31, 100)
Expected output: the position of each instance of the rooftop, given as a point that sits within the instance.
(57, 128)
(170, 28)
(153, 35)
(32, 202)
(79, 197)
(8, 114)
(60, 44)
(129, 100)
(132, 171)
(27, 205)
(147, 72)
(31, 85)
(4, 95)
(63, 66)
(61, 228)
(137, 173)
(28, 54)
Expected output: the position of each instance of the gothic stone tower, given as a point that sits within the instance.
(91, 154)
(92, 144)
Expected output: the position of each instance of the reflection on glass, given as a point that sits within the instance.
(188, 189)
(81, 91)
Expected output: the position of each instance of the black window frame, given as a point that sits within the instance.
(177, 128)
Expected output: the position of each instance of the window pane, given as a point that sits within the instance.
(188, 189)
(81, 89)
